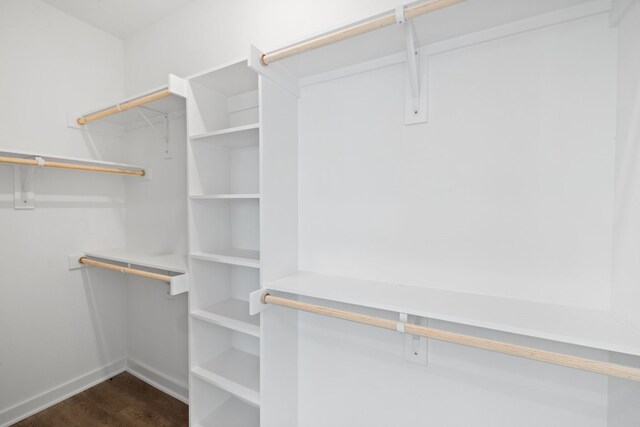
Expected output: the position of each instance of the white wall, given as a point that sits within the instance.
(56, 326)
(506, 191)
(208, 33)
(157, 222)
(511, 201)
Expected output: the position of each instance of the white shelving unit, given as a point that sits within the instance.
(224, 234)
(449, 217)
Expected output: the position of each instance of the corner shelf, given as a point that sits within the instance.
(172, 263)
(232, 314)
(159, 106)
(243, 257)
(160, 261)
(598, 329)
(234, 371)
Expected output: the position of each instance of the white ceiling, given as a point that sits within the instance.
(121, 18)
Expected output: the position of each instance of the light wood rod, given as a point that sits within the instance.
(73, 166)
(118, 108)
(604, 368)
(355, 30)
(133, 271)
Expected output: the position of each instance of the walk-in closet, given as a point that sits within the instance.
(320, 214)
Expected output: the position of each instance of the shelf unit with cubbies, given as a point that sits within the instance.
(224, 239)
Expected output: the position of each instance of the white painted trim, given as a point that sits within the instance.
(57, 394)
(162, 382)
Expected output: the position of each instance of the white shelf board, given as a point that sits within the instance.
(228, 79)
(232, 314)
(233, 412)
(223, 196)
(235, 371)
(471, 18)
(243, 257)
(598, 329)
(170, 104)
(161, 261)
(75, 160)
(235, 137)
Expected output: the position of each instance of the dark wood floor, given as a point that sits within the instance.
(123, 400)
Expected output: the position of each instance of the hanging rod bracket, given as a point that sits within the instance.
(400, 18)
(415, 346)
(74, 262)
(256, 301)
(24, 186)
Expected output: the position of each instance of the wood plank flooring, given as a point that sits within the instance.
(123, 400)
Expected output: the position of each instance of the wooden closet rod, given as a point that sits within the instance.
(133, 271)
(61, 165)
(385, 20)
(604, 368)
(124, 106)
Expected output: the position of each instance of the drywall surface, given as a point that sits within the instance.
(157, 222)
(351, 374)
(210, 33)
(506, 191)
(59, 329)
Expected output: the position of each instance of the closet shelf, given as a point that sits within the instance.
(73, 162)
(232, 314)
(223, 196)
(156, 103)
(242, 257)
(386, 45)
(233, 412)
(234, 137)
(160, 261)
(235, 371)
(175, 265)
(598, 329)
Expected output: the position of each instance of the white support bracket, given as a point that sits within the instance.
(415, 347)
(255, 302)
(163, 136)
(415, 87)
(24, 187)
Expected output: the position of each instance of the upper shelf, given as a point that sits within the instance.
(228, 80)
(159, 102)
(598, 329)
(472, 17)
(170, 262)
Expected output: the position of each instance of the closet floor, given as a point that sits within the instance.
(123, 400)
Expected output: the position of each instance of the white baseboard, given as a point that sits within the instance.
(57, 394)
(151, 376)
